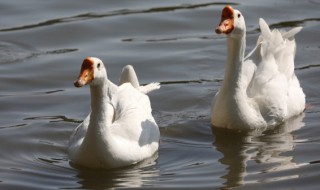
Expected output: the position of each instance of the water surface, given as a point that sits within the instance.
(42, 45)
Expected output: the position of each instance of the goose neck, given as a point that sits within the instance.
(233, 72)
(99, 101)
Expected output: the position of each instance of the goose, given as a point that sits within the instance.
(120, 130)
(260, 90)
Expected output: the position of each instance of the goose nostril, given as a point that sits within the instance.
(78, 83)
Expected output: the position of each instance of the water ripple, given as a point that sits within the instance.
(121, 12)
(307, 67)
(294, 23)
(53, 119)
(11, 52)
(199, 81)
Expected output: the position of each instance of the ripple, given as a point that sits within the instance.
(32, 93)
(315, 162)
(286, 24)
(270, 149)
(60, 51)
(307, 67)
(294, 23)
(121, 12)
(54, 119)
(40, 117)
(14, 126)
(11, 52)
(199, 81)
(168, 39)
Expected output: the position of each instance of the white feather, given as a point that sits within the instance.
(261, 89)
(120, 130)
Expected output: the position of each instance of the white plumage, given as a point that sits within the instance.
(262, 89)
(120, 130)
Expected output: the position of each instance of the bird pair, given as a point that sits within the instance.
(258, 90)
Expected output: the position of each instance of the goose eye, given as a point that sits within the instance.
(239, 15)
(98, 65)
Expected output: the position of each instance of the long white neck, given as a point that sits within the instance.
(99, 101)
(99, 109)
(233, 72)
(99, 125)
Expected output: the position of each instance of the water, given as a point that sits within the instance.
(42, 45)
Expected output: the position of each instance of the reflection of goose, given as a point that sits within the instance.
(262, 89)
(120, 130)
(128, 177)
(257, 152)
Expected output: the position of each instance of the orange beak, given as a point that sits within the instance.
(227, 21)
(86, 74)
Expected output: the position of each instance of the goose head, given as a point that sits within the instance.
(232, 23)
(92, 72)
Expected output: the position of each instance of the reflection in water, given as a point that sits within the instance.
(265, 148)
(132, 176)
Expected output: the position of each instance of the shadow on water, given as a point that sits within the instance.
(264, 148)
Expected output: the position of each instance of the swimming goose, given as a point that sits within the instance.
(260, 90)
(120, 130)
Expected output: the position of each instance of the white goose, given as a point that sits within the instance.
(262, 89)
(120, 130)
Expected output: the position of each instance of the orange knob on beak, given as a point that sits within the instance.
(227, 21)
